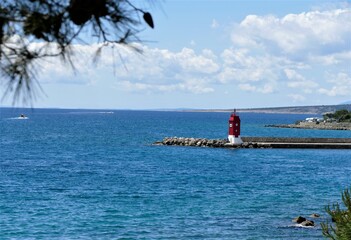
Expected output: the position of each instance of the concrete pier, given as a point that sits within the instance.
(319, 143)
(261, 142)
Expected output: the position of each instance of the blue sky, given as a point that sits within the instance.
(216, 54)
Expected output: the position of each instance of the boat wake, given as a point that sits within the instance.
(91, 112)
(19, 118)
(300, 226)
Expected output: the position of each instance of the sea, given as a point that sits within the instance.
(95, 174)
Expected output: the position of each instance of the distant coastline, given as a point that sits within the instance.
(320, 126)
(313, 110)
(316, 110)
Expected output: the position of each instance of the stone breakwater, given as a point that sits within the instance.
(260, 142)
(203, 142)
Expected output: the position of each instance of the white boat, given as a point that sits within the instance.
(22, 116)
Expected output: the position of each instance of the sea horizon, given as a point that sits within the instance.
(294, 109)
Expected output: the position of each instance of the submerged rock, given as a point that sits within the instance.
(307, 223)
(315, 215)
(302, 221)
(299, 219)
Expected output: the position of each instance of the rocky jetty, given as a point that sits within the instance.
(203, 142)
(260, 142)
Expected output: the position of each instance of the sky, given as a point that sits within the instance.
(214, 54)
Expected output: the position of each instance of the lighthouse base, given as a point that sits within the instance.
(235, 140)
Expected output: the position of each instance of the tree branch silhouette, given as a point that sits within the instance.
(58, 24)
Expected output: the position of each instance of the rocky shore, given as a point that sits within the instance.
(314, 125)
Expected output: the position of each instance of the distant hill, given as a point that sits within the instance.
(318, 110)
(300, 109)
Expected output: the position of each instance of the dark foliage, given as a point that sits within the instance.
(341, 228)
(342, 115)
(58, 23)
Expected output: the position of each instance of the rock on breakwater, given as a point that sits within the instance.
(203, 142)
(261, 142)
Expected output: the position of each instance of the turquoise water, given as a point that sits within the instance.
(84, 174)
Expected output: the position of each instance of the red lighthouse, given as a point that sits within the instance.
(234, 129)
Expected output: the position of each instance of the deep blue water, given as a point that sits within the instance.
(85, 174)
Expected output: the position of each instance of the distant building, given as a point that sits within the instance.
(314, 119)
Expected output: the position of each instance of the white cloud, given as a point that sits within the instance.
(293, 75)
(268, 54)
(79, 70)
(190, 62)
(296, 48)
(268, 88)
(341, 85)
(159, 64)
(247, 87)
(341, 78)
(241, 66)
(298, 35)
(303, 84)
(297, 97)
(156, 70)
(336, 91)
(265, 89)
(214, 24)
(299, 81)
(189, 86)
